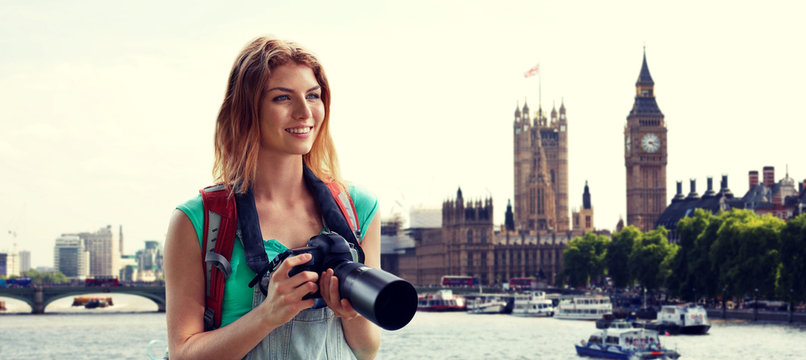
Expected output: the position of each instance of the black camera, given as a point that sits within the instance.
(383, 298)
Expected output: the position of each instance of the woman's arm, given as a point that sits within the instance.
(185, 283)
(362, 335)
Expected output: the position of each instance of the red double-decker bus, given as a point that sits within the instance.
(102, 281)
(522, 283)
(459, 281)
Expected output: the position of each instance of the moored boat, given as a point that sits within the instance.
(444, 300)
(584, 307)
(689, 319)
(533, 303)
(488, 304)
(621, 341)
(92, 302)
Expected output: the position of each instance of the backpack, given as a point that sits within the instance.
(222, 226)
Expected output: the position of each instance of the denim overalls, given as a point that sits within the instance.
(312, 334)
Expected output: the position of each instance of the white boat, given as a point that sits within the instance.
(584, 307)
(533, 304)
(621, 341)
(680, 319)
(487, 304)
(444, 300)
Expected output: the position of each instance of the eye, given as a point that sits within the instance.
(281, 98)
(312, 96)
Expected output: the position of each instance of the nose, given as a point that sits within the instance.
(302, 110)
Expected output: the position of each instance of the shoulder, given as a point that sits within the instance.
(194, 210)
(362, 196)
(366, 205)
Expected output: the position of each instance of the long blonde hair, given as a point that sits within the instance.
(237, 132)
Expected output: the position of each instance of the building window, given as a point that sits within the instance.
(470, 236)
(587, 221)
(483, 237)
(483, 259)
(469, 260)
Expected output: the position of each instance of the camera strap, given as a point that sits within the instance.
(252, 238)
(273, 264)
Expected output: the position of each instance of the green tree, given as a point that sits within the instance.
(42, 277)
(583, 259)
(650, 258)
(617, 258)
(745, 252)
(791, 275)
(690, 266)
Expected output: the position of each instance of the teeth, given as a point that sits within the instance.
(303, 130)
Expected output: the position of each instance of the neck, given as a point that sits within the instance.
(279, 178)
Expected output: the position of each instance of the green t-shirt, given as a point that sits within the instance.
(237, 293)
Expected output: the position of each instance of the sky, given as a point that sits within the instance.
(108, 108)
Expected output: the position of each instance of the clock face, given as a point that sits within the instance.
(650, 143)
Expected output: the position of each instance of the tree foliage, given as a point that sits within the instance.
(734, 253)
(617, 258)
(791, 273)
(42, 277)
(744, 253)
(690, 268)
(651, 257)
(583, 259)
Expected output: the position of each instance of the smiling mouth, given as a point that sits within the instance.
(300, 130)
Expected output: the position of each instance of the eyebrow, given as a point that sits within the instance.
(280, 88)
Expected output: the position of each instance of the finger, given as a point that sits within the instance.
(324, 284)
(291, 262)
(334, 286)
(308, 287)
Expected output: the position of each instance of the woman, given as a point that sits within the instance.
(274, 119)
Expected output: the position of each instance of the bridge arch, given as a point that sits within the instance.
(42, 296)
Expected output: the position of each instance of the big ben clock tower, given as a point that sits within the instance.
(645, 155)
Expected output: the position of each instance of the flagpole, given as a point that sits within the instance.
(539, 90)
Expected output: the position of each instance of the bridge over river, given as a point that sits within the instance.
(40, 297)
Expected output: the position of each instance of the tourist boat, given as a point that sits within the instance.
(444, 300)
(488, 304)
(622, 341)
(689, 319)
(3, 306)
(533, 304)
(584, 307)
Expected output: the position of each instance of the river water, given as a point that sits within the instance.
(124, 332)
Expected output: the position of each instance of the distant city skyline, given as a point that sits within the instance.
(108, 109)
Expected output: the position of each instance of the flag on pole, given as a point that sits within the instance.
(532, 71)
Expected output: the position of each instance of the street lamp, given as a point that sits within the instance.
(724, 301)
(755, 304)
(791, 302)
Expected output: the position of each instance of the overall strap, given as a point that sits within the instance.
(218, 239)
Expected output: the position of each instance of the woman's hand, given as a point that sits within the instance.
(329, 288)
(284, 294)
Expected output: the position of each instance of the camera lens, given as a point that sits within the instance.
(379, 296)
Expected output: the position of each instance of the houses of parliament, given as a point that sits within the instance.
(463, 240)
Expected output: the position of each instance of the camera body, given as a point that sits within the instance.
(328, 251)
(381, 297)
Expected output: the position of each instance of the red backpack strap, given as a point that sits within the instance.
(220, 226)
(347, 207)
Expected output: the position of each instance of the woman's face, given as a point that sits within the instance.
(291, 111)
